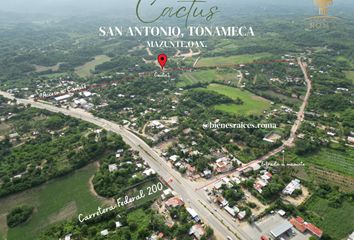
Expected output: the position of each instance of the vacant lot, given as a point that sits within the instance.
(328, 217)
(206, 76)
(239, 59)
(252, 104)
(85, 70)
(54, 201)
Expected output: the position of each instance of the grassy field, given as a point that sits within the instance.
(85, 70)
(350, 75)
(239, 59)
(54, 201)
(345, 59)
(329, 216)
(338, 161)
(282, 97)
(205, 76)
(40, 68)
(252, 104)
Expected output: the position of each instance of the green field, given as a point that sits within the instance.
(252, 104)
(345, 59)
(85, 70)
(339, 161)
(54, 201)
(239, 59)
(328, 217)
(350, 75)
(205, 76)
(282, 97)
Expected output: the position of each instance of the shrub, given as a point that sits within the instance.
(19, 215)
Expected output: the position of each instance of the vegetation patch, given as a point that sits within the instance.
(19, 215)
(326, 207)
(252, 104)
(339, 161)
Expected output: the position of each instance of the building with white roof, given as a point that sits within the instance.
(62, 98)
(292, 186)
(104, 232)
(149, 172)
(112, 167)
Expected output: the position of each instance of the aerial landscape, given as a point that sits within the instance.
(163, 120)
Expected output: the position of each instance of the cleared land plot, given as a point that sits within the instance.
(5, 128)
(350, 75)
(40, 68)
(328, 217)
(85, 70)
(342, 162)
(239, 59)
(54, 201)
(252, 104)
(205, 76)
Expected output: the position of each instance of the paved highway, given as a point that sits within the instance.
(222, 223)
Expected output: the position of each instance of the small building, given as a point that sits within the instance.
(223, 165)
(120, 150)
(281, 229)
(281, 212)
(197, 231)
(351, 236)
(62, 98)
(350, 140)
(218, 185)
(14, 135)
(167, 193)
(292, 186)
(190, 170)
(118, 224)
(104, 232)
(112, 167)
(80, 102)
(222, 201)
(68, 237)
(300, 224)
(174, 158)
(267, 176)
(87, 94)
(207, 173)
(232, 211)
(174, 202)
(149, 172)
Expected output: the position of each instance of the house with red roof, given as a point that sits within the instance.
(174, 202)
(300, 224)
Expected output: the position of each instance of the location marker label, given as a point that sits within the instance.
(162, 59)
